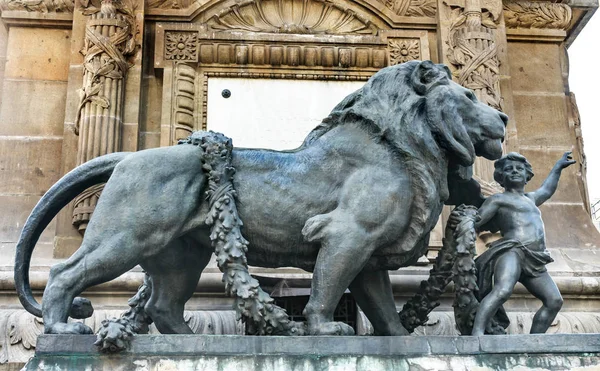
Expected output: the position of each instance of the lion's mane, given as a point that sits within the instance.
(400, 108)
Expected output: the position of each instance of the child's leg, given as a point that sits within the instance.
(543, 288)
(506, 274)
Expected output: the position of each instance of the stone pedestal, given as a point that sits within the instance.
(206, 352)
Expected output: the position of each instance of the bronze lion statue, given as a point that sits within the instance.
(356, 199)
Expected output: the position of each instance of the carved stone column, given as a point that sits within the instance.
(472, 42)
(109, 39)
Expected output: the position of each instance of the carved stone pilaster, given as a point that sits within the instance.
(470, 45)
(473, 51)
(575, 124)
(183, 103)
(109, 39)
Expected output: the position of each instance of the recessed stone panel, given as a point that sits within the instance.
(27, 166)
(542, 161)
(535, 67)
(542, 120)
(38, 53)
(151, 109)
(15, 210)
(38, 109)
(568, 226)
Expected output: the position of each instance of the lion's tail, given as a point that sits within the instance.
(58, 196)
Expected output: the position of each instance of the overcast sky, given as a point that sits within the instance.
(584, 81)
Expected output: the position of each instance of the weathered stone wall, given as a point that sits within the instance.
(34, 90)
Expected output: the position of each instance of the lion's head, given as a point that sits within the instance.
(419, 109)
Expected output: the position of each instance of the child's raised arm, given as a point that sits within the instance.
(549, 186)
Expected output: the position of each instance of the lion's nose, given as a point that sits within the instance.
(504, 118)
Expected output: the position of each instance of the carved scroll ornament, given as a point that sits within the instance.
(524, 14)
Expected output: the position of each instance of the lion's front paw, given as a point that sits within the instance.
(331, 328)
(297, 329)
(81, 308)
(76, 328)
(114, 335)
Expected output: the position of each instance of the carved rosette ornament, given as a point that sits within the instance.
(404, 50)
(109, 39)
(181, 46)
(525, 14)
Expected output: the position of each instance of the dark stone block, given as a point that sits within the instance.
(178, 352)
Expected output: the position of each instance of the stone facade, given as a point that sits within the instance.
(85, 78)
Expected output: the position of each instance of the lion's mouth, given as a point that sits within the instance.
(490, 148)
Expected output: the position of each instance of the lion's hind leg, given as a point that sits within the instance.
(96, 261)
(175, 273)
(372, 291)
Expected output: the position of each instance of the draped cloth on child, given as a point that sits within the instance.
(533, 264)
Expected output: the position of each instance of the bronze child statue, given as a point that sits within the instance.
(521, 254)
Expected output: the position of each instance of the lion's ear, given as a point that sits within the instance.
(447, 125)
(428, 75)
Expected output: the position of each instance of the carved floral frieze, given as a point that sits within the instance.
(170, 4)
(40, 6)
(526, 14)
(19, 330)
(412, 8)
(404, 50)
(443, 324)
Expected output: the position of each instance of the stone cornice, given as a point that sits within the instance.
(403, 281)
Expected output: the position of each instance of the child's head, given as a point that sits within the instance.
(513, 156)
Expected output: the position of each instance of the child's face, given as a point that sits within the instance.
(514, 173)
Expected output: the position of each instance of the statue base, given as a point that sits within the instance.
(221, 352)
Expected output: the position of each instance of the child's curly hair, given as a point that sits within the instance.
(513, 156)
